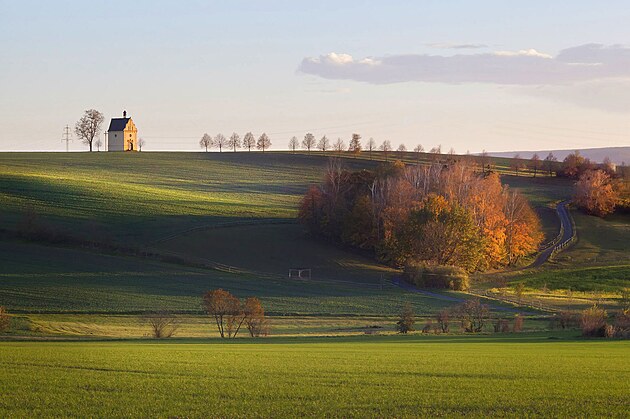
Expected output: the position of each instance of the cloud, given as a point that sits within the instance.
(526, 67)
(449, 45)
(522, 53)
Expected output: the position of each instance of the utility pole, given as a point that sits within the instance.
(66, 137)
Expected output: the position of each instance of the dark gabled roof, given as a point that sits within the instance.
(118, 124)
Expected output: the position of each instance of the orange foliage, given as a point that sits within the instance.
(596, 193)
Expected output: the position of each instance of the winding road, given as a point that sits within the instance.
(564, 236)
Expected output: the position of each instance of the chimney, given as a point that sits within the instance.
(124, 114)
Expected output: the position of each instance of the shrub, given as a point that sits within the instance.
(518, 324)
(5, 320)
(565, 320)
(501, 326)
(406, 319)
(163, 323)
(443, 317)
(593, 321)
(473, 315)
(442, 277)
(622, 324)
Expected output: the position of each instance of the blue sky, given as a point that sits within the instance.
(184, 68)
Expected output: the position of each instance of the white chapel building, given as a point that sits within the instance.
(122, 134)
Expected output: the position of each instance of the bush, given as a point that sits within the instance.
(442, 277)
(593, 321)
(622, 324)
(443, 317)
(518, 324)
(163, 323)
(501, 326)
(473, 315)
(5, 320)
(565, 320)
(406, 319)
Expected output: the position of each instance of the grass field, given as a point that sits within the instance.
(45, 279)
(337, 377)
(141, 197)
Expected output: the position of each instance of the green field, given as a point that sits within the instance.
(222, 210)
(336, 377)
(136, 198)
(170, 226)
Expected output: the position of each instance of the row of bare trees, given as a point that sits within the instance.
(310, 143)
(535, 164)
(234, 142)
(472, 315)
(596, 322)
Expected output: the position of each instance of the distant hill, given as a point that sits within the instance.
(616, 154)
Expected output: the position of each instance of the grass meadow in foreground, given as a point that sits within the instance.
(340, 377)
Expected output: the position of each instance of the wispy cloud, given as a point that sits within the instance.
(526, 67)
(451, 45)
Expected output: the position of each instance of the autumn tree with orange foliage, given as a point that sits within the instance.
(596, 193)
(440, 214)
(255, 320)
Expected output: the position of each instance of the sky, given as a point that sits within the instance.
(471, 75)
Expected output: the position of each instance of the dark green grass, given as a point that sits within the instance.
(600, 241)
(595, 278)
(338, 377)
(274, 249)
(47, 279)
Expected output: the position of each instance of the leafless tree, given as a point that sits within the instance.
(5, 320)
(401, 151)
(443, 317)
(293, 143)
(406, 319)
(88, 127)
(98, 143)
(473, 315)
(484, 160)
(355, 144)
(386, 147)
(371, 146)
(163, 323)
(535, 164)
(205, 142)
(308, 142)
(323, 143)
(517, 163)
(220, 141)
(249, 141)
(234, 142)
(141, 143)
(418, 149)
(264, 142)
(549, 161)
(339, 145)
